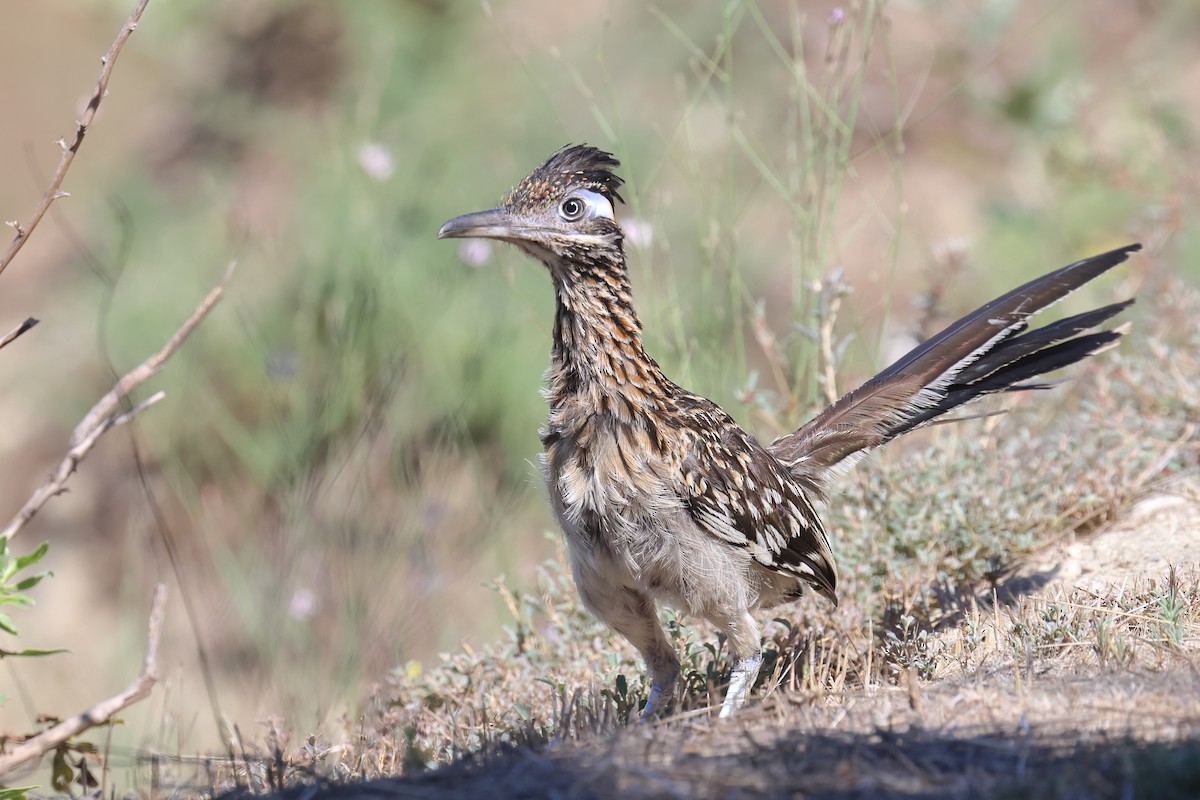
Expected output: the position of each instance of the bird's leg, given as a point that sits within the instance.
(741, 682)
(661, 661)
(743, 637)
(632, 614)
(659, 689)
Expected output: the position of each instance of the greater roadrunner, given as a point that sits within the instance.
(660, 494)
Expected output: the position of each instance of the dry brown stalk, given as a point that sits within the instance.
(101, 713)
(8, 338)
(106, 414)
(54, 190)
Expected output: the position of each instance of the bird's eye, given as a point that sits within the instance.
(572, 209)
(585, 204)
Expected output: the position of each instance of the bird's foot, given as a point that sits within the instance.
(740, 683)
(656, 701)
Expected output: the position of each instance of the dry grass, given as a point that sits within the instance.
(1068, 694)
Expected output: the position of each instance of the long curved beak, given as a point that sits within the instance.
(495, 223)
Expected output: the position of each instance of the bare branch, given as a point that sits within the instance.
(101, 713)
(106, 413)
(54, 190)
(17, 331)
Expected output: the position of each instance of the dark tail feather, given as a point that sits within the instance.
(1009, 377)
(989, 350)
(1039, 339)
(975, 330)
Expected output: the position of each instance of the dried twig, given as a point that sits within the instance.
(99, 714)
(7, 338)
(105, 415)
(829, 302)
(54, 190)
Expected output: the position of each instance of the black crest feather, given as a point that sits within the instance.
(573, 166)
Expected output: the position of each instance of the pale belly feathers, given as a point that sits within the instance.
(626, 527)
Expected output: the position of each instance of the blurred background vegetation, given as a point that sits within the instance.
(345, 454)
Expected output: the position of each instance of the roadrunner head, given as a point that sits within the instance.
(561, 214)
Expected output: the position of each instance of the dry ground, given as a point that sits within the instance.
(1128, 733)
(1161, 530)
(1067, 721)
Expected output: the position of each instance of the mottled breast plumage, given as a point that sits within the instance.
(740, 494)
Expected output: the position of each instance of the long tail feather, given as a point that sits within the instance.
(987, 351)
(1036, 340)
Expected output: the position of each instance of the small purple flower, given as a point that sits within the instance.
(303, 604)
(638, 232)
(475, 252)
(376, 161)
(837, 16)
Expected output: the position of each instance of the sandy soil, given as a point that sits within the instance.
(1160, 531)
